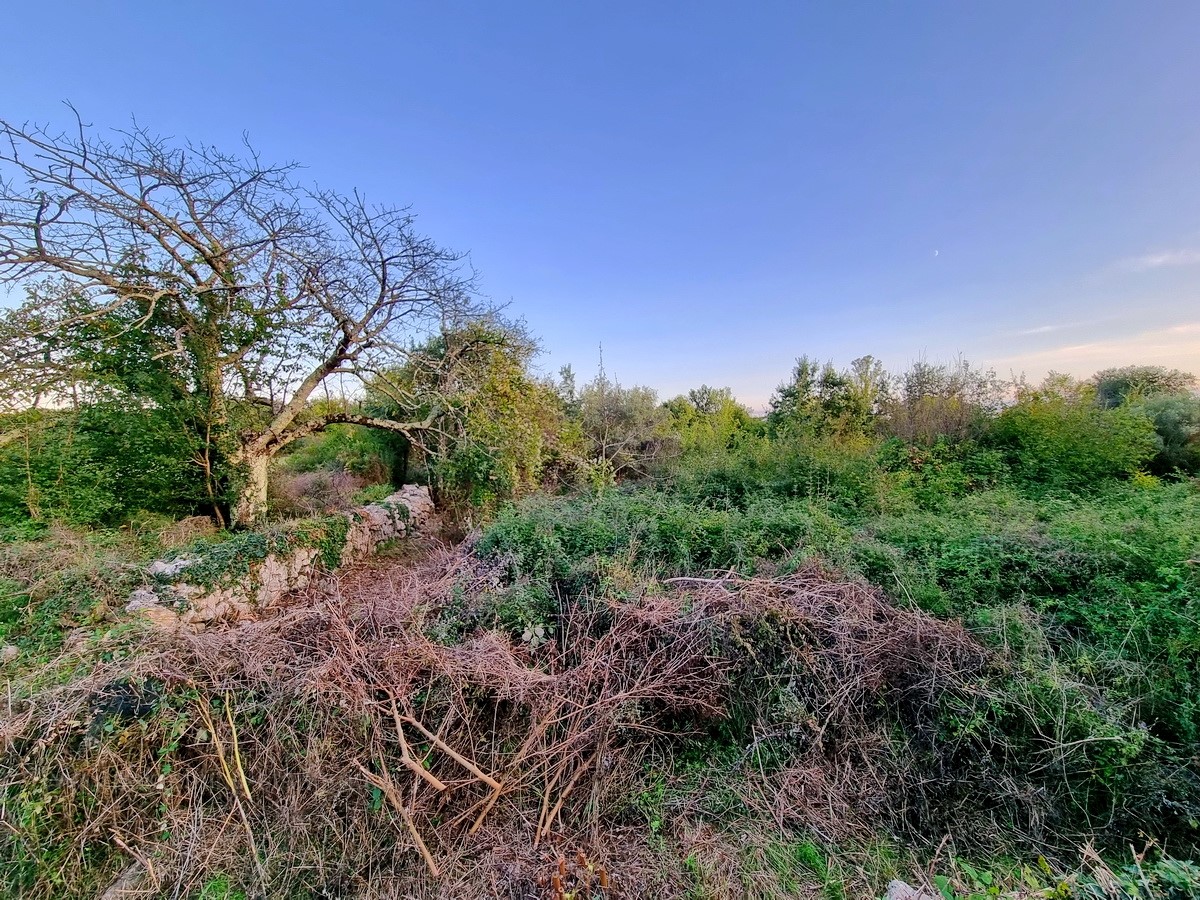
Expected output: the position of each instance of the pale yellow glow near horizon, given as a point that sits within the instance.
(1175, 347)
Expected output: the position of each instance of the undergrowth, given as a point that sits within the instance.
(1089, 604)
(701, 688)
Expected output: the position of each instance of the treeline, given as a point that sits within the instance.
(938, 430)
(934, 430)
(195, 317)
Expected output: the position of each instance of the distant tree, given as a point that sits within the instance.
(568, 392)
(1176, 419)
(942, 401)
(1059, 440)
(1058, 384)
(1117, 386)
(822, 397)
(35, 370)
(626, 430)
(1167, 397)
(228, 282)
(798, 401)
(708, 419)
(866, 392)
(709, 401)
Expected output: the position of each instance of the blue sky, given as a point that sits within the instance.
(710, 189)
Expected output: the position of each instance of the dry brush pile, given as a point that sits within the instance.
(337, 749)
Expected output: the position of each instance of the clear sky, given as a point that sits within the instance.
(706, 189)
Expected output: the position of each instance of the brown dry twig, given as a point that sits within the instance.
(823, 673)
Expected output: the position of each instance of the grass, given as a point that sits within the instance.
(219, 888)
(66, 581)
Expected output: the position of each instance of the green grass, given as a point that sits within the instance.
(219, 889)
(64, 579)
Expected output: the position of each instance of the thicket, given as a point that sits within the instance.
(1060, 524)
(773, 653)
(892, 610)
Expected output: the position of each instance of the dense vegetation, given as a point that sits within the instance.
(799, 652)
(1038, 524)
(1060, 524)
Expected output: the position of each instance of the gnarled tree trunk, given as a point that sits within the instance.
(251, 505)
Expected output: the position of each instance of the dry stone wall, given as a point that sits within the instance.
(241, 578)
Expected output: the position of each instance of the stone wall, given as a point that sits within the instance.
(239, 578)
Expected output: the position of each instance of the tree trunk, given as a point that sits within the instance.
(252, 498)
(400, 459)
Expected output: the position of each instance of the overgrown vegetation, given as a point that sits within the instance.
(796, 654)
(927, 625)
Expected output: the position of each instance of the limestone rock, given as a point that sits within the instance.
(899, 890)
(219, 605)
(277, 575)
(418, 500)
(141, 598)
(146, 604)
(167, 568)
(183, 592)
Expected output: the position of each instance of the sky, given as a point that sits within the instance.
(708, 190)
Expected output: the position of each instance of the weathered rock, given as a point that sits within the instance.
(147, 604)
(8, 653)
(167, 568)
(379, 523)
(183, 592)
(141, 598)
(899, 890)
(417, 499)
(129, 884)
(230, 604)
(278, 574)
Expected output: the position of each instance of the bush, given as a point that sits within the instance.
(1089, 604)
(625, 429)
(98, 465)
(936, 402)
(933, 475)
(570, 539)
(1176, 419)
(841, 470)
(1052, 442)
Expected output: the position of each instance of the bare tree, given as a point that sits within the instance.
(259, 290)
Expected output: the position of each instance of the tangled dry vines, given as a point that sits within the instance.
(277, 751)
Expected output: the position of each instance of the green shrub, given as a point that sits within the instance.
(930, 476)
(841, 470)
(1052, 442)
(569, 539)
(99, 465)
(1176, 419)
